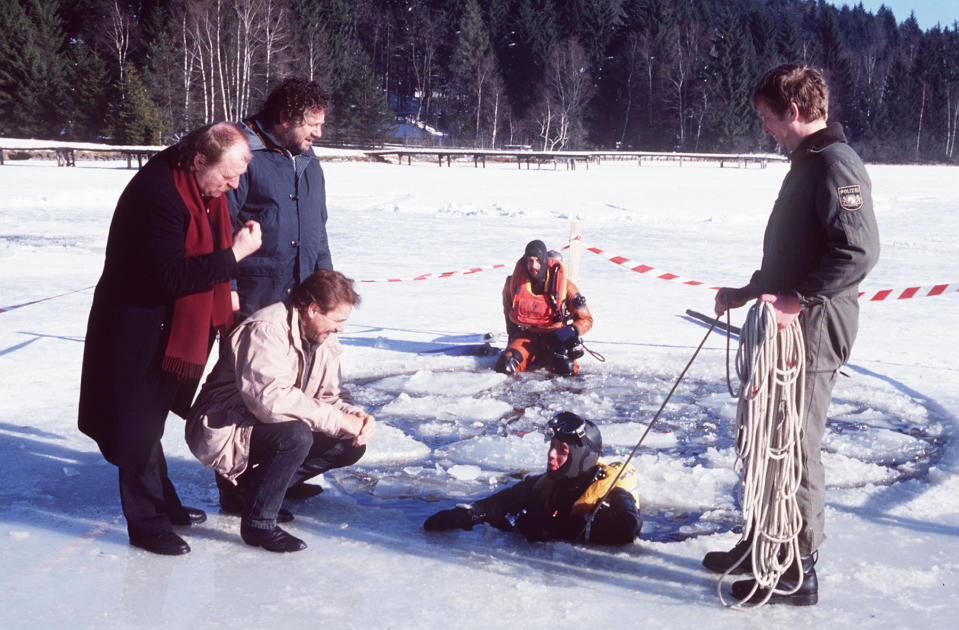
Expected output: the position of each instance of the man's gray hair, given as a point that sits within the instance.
(210, 141)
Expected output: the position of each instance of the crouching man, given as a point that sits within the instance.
(555, 505)
(545, 315)
(272, 416)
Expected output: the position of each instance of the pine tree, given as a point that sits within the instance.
(788, 42)
(140, 121)
(734, 121)
(472, 68)
(643, 46)
(932, 78)
(360, 112)
(531, 35)
(764, 33)
(163, 72)
(87, 92)
(838, 74)
(31, 69)
(591, 22)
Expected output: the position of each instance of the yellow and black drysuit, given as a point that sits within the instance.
(543, 508)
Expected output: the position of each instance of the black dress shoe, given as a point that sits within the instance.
(720, 561)
(806, 595)
(187, 516)
(163, 542)
(303, 490)
(274, 539)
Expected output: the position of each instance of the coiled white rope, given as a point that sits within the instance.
(771, 367)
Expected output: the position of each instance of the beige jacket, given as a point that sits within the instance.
(263, 382)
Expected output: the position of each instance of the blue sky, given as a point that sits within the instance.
(928, 12)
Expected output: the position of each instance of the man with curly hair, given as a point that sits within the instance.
(284, 191)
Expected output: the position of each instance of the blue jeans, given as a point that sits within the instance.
(283, 454)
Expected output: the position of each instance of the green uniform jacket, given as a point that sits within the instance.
(821, 241)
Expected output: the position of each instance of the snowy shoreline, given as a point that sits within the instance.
(453, 429)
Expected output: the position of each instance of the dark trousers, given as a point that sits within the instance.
(147, 495)
(283, 454)
(531, 350)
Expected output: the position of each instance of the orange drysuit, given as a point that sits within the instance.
(531, 316)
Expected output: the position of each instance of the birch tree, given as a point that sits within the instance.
(567, 90)
(119, 34)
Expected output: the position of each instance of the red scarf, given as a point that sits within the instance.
(189, 344)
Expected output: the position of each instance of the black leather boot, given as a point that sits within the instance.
(163, 542)
(562, 365)
(303, 490)
(275, 539)
(185, 516)
(807, 595)
(508, 362)
(719, 561)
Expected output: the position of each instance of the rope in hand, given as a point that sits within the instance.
(599, 504)
(771, 369)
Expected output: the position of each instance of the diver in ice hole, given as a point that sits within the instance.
(555, 505)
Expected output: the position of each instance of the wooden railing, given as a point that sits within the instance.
(570, 158)
(66, 153)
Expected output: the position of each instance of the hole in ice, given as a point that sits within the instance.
(450, 436)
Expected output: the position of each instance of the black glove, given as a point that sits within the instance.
(562, 339)
(459, 517)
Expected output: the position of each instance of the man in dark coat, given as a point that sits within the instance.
(165, 285)
(284, 191)
(556, 505)
(821, 240)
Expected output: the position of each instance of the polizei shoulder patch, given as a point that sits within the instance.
(850, 197)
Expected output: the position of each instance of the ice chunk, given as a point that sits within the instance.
(514, 453)
(465, 472)
(447, 408)
(847, 472)
(426, 382)
(627, 434)
(875, 445)
(391, 446)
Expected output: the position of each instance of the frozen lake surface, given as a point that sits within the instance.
(451, 429)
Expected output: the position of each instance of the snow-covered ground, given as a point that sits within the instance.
(450, 428)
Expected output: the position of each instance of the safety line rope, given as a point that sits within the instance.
(771, 369)
(599, 504)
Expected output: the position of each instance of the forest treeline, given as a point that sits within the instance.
(553, 74)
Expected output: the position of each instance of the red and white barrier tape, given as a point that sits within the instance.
(878, 296)
(910, 292)
(632, 265)
(445, 274)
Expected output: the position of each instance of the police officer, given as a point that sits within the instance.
(821, 240)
